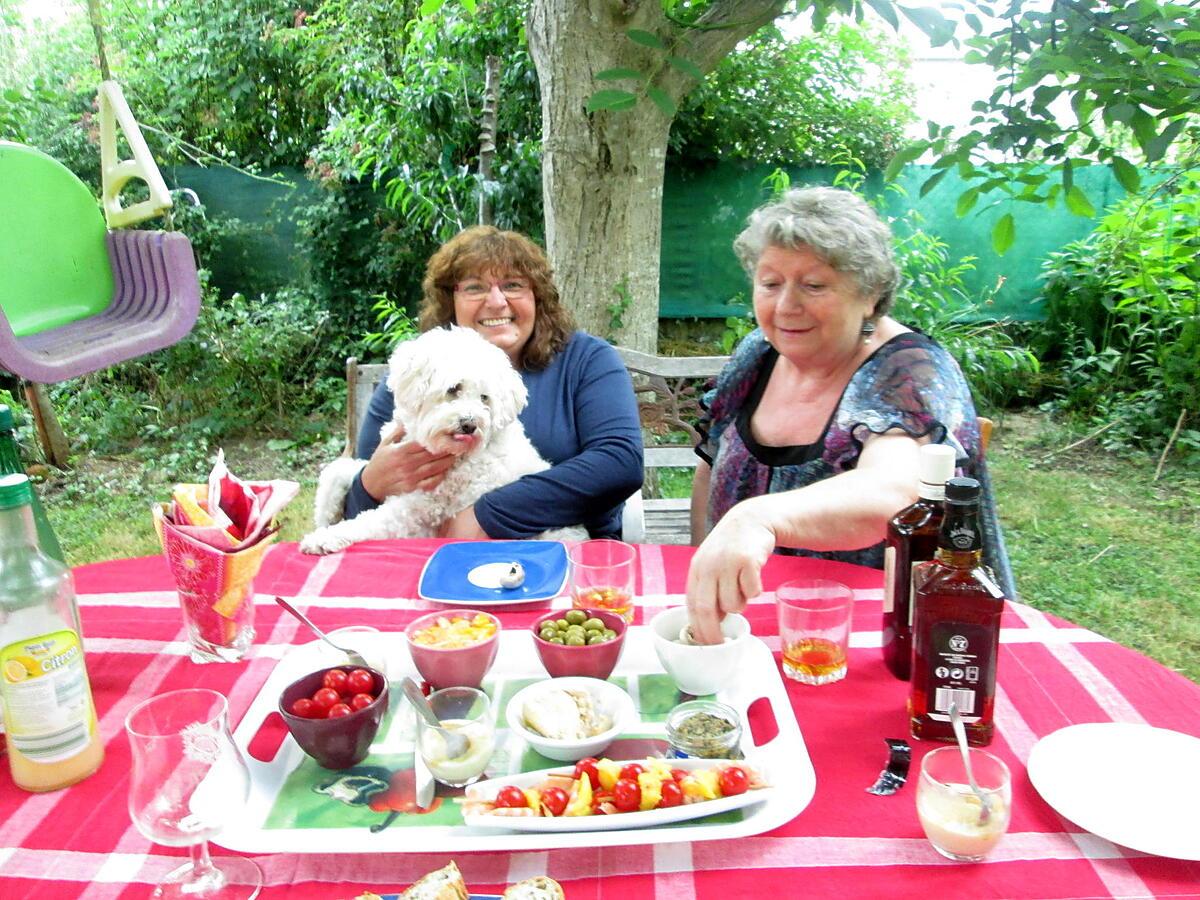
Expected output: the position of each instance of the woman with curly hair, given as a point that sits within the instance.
(581, 415)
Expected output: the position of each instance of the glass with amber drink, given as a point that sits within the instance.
(602, 576)
(814, 629)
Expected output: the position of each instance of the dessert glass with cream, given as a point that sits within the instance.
(954, 817)
(468, 712)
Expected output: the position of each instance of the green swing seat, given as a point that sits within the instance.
(76, 297)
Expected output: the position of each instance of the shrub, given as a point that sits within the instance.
(1123, 321)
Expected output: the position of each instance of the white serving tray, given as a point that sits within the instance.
(785, 757)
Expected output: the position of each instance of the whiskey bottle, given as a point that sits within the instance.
(912, 538)
(956, 627)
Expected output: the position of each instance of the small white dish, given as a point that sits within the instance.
(1134, 785)
(698, 669)
(609, 700)
(487, 790)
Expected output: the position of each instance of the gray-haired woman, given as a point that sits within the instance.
(810, 437)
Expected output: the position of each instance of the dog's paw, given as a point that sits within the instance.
(322, 541)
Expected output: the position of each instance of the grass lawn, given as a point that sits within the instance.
(1091, 539)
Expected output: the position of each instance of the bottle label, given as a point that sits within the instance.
(46, 697)
(889, 583)
(961, 669)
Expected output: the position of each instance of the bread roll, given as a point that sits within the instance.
(539, 887)
(444, 884)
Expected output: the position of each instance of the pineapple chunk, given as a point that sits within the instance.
(701, 785)
(608, 771)
(651, 786)
(581, 802)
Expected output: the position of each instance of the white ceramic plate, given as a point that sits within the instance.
(1134, 785)
(648, 819)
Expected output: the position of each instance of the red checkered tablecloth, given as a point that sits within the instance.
(845, 844)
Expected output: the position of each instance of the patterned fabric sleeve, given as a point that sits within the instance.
(721, 404)
(911, 384)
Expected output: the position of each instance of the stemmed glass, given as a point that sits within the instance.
(188, 781)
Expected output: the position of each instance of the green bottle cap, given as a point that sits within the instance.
(6, 418)
(15, 491)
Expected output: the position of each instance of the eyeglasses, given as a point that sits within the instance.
(477, 289)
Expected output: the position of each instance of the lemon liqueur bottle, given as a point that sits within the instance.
(53, 739)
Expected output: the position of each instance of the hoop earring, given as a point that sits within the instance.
(868, 330)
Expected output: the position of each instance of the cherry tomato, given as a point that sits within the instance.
(511, 797)
(325, 698)
(338, 710)
(631, 771)
(360, 681)
(555, 800)
(672, 795)
(627, 794)
(336, 679)
(304, 708)
(733, 781)
(587, 766)
(679, 774)
(361, 701)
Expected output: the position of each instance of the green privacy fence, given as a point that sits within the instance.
(704, 211)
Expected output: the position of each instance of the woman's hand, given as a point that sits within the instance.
(396, 468)
(726, 570)
(464, 527)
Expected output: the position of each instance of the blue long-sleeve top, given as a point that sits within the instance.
(582, 418)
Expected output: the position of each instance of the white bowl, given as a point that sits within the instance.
(699, 669)
(608, 698)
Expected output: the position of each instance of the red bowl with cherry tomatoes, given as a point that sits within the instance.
(334, 714)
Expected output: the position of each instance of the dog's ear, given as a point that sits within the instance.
(508, 397)
(408, 374)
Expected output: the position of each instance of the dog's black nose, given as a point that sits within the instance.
(467, 426)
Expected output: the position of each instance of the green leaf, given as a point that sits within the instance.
(903, 158)
(932, 181)
(686, 66)
(1127, 174)
(429, 7)
(663, 101)
(1157, 146)
(618, 74)
(937, 27)
(469, 5)
(966, 201)
(886, 11)
(1078, 203)
(1004, 232)
(1068, 174)
(645, 38)
(277, 444)
(610, 99)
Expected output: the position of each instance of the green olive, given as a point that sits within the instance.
(576, 640)
(575, 616)
(593, 624)
(561, 624)
(609, 634)
(596, 638)
(557, 640)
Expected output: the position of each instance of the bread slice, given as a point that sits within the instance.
(540, 887)
(444, 884)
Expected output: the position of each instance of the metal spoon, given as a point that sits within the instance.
(456, 744)
(960, 735)
(356, 659)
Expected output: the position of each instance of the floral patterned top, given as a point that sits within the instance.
(909, 383)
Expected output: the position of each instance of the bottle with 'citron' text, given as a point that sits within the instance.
(53, 738)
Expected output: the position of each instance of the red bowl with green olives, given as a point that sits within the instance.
(584, 642)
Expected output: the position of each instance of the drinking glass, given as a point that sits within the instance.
(188, 781)
(950, 812)
(814, 629)
(467, 711)
(602, 576)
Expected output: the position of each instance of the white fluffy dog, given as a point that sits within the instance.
(454, 393)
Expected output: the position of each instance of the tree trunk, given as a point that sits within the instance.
(487, 137)
(602, 173)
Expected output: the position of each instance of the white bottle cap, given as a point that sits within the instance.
(935, 464)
